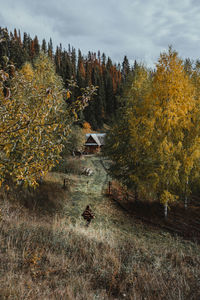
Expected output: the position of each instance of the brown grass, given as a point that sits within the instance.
(44, 255)
(57, 260)
(180, 221)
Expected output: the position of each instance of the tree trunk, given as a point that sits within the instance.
(186, 202)
(136, 194)
(186, 197)
(165, 210)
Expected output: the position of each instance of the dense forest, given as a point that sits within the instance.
(93, 68)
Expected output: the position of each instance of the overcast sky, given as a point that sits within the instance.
(140, 29)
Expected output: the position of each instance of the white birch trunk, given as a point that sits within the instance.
(186, 202)
(165, 210)
(186, 197)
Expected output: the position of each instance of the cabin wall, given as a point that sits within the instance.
(92, 149)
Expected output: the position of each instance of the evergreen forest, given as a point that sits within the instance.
(85, 69)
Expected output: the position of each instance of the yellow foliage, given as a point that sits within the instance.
(167, 197)
(27, 72)
(155, 143)
(34, 121)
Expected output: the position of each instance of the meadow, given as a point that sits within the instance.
(47, 252)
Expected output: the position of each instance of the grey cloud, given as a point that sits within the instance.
(139, 29)
(2, 19)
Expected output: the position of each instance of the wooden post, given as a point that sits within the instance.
(136, 194)
(109, 188)
(127, 196)
(64, 183)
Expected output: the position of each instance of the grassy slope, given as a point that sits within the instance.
(48, 253)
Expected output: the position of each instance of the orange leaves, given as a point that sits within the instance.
(68, 95)
(87, 127)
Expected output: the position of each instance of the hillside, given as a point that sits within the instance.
(47, 252)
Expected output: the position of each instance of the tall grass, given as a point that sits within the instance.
(58, 260)
(48, 253)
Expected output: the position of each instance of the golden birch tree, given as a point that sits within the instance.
(127, 142)
(155, 143)
(35, 118)
(172, 105)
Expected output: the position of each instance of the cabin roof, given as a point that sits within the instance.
(97, 137)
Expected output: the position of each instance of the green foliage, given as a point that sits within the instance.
(75, 141)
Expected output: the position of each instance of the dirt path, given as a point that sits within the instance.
(88, 189)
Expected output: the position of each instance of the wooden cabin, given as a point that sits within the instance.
(94, 142)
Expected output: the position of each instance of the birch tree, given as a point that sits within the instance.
(172, 102)
(35, 118)
(155, 143)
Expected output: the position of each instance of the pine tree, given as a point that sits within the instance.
(4, 46)
(50, 49)
(36, 46)
(125, 68)
(80, 71)
(44, 46)
(109, 94)
(73, 62)
(17, 55)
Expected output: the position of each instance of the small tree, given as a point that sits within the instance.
(87, 127)
(75, 141)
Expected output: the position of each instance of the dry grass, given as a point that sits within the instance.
(40, 260)
(47, 256)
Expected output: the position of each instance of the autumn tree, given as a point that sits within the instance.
(86, 127)
(75, 141)
(155, 145)
(173, 104)
(127, 142)
(35, 118)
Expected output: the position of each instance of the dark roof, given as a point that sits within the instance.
(97, 137)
